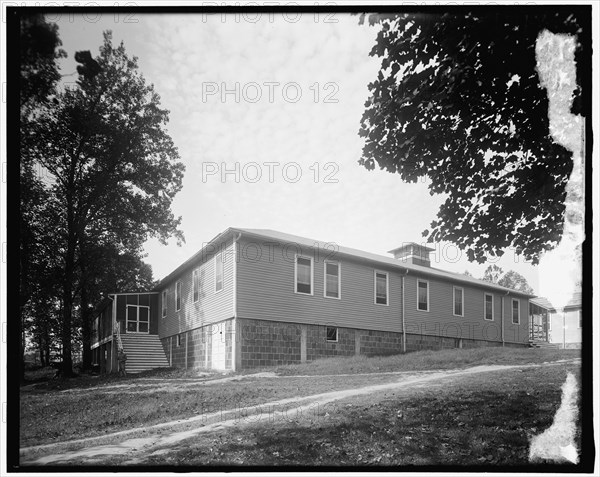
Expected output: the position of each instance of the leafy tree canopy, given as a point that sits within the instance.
(107, 149)
(39, 43)
(458, 99)
(113, 173)
(515, 281)
(492, 273)
(511, 279)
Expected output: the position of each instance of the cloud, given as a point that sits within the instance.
(186, 55)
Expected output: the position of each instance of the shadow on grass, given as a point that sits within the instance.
(479, 421)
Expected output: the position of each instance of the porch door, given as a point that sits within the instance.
(138, 319)
(218, 347)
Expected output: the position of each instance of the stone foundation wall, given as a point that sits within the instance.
(317, 345)
(268, 343)
(195, 350)
(271, 343)
(379, 343)
(262, 343)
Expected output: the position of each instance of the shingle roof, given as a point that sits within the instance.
(282, 237)
(574, 302)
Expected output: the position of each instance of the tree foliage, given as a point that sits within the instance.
(113, 173)
(515, 281)
(39, 74)
(458, 99)
(492, 273)
(511, 279)
(39, 50)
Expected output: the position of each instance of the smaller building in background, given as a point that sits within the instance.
(559, 327)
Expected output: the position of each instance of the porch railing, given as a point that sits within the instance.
(119, 342)
(538, 332)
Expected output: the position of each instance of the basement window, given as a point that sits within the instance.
(332, 333)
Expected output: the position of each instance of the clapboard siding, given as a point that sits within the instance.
(441, 321)
(211, 306)
(265, 291)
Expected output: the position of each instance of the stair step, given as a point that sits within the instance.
(144, 352)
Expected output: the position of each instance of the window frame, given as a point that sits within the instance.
(462, 301)
(419, 280)
(217, 289)
(164, 304)
(512, 311)
(485, 295)
(312, 272)
(339, 277)
(387, 287)
(195, 286)
(327, 334)
(178, 295)
(137, 320)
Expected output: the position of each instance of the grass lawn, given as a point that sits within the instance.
(59, 410)
(428, 360)
(477, 420)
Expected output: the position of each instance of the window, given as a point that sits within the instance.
(178, 340)
(458, 301)
(488, 307)
(219, 272)
(178, 296)
(304, 275)
(516, 311)
(381, 288)
(580, 319)
(332, 333)
(196, 285)
(164, 303)
(138, 319)
(332, 280)
(423, 295)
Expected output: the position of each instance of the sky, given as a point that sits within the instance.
(265, 111)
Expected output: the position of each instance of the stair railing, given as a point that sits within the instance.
(119, 341)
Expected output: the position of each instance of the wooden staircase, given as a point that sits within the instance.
(143, 352)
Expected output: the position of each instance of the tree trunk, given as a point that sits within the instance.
(67, 315)
(47, 349)
(69, 276)
(41, 348)
(22, 346)
(86, 331)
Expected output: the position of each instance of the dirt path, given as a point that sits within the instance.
(142, 442)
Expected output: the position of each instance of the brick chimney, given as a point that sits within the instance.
(413, 253)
